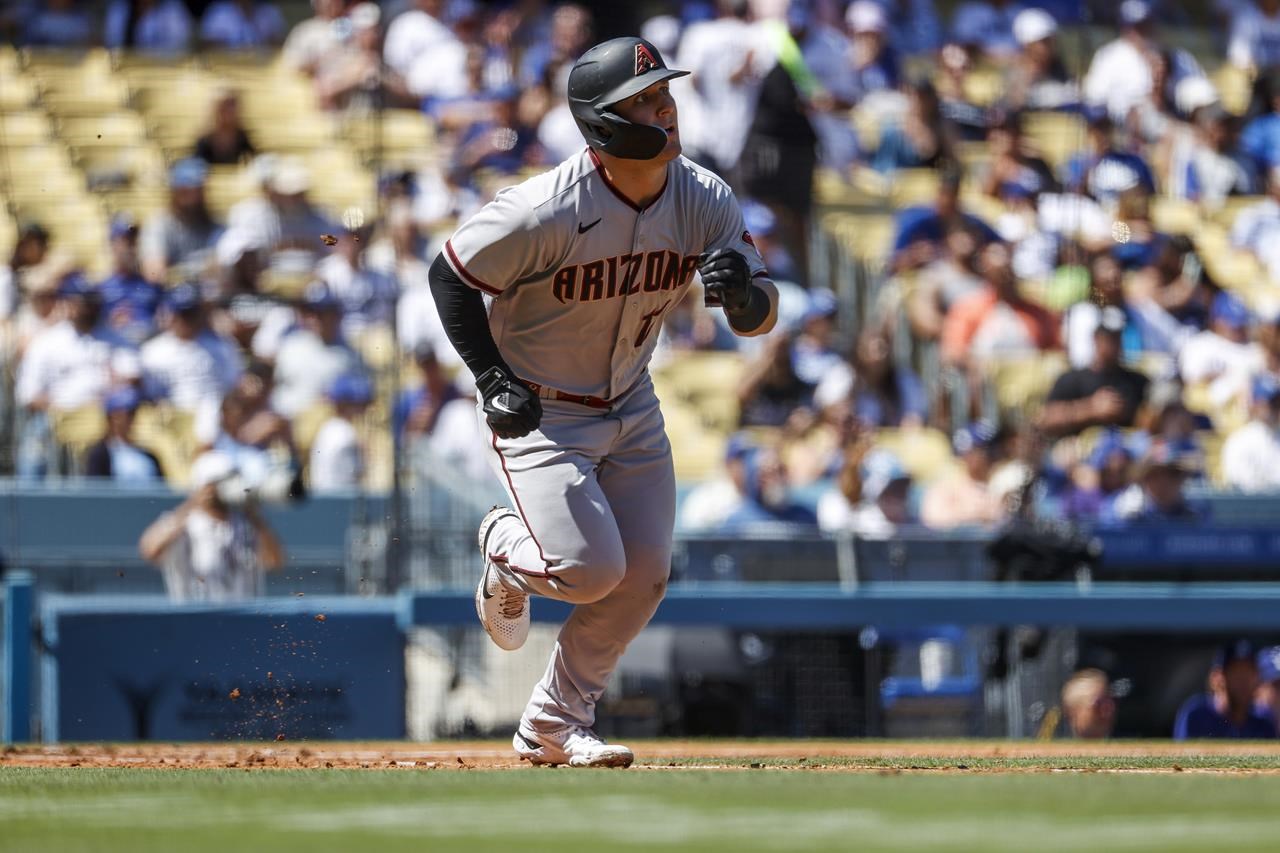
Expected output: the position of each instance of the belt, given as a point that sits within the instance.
(581, 399)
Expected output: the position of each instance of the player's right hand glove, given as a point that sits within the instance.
(510, 407)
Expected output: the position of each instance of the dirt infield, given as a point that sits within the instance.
(866, 756)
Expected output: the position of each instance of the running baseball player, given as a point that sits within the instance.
(553, 295)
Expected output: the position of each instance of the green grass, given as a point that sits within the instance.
(1001, 764)
(379, 811)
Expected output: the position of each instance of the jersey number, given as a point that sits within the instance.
(647, 322)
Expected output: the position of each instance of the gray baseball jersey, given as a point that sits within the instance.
(580, 279)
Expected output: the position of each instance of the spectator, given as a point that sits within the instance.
(762, 225)
(1261, 136)
(709, 504)
(1254, 44)
(874, 60)
(59, 23)
(288, 226)
(337, 457)
(771, 391)
(75, 362)
(1216, 167)
(570, 35)
(312, 357)
(966, 499)
(1014, 161)
(955, 88)
(29, 250)
(116, 456)
(1119, 76)
(1143, 332)
(244, 428)
(949, 277)
(767, 498)
(557, 132)
(313, 40)
(1157, 496)
(1221, 353)
(1169, 276)
(987, 25)
(353, 78)
(1087, 705)
(227, 142)
(1226, 710)
(428, 56)
(153, 26)
(826, 53)
(879, 391)
(924, 139)
(189, 365)
(1097, 482)
(418, 409)
(996, 321)
(242, 25)
(1104, 171)
(1251, 454)
(1103, 394)
(129, 301)
(727, 59)
(923, 233)
(1257, 228)
(1267, 699)
(180, 239)
(1037, 79)
(207, 549)
(39, 311)
(368, 296)
(813, 352)
(872, 503)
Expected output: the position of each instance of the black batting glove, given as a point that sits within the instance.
(726, 279)
(510, 407)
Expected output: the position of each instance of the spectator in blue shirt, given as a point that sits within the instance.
(1261, 136)
(156, 26)
(922, 231)
(418, 409)
(129, 301)
(1267, 699)
(61, 23)
(117, 456)
(1157, 497)
(242, 25)
(885, 394)
(767, 499)
(1226, 710)
(874, 66)
(987, 25)
(1104, 171)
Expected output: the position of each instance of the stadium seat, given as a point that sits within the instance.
(25, 127)
(1021, 384)
(169, 433)
(75, 430)
(1056, 135)
(925, 452)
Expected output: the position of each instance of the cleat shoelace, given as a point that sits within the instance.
(512, 605)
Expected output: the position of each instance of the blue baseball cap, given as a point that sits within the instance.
(318, 296)
(1230, 310)
(739, 446)
(822, 304)
(184, 297)
(188, 174)
(1269, 664)
(975, 436)
(126, 399)
(351, 388)
(75, 284)
(1111, 443)
(1266, 388)
(759, 219)
(123, 225)
(1134, 12)
(1233, 651)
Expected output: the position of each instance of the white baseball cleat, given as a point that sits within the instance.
(577, 746)
(504, 612)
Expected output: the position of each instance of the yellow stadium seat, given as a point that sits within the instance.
(78, 429)
(1056, 135)
(306, 425)
(25, 127)
(914, 186)
(925, 452)
(1021, 384)
(114, 129)
(169, 433)
(1175, 215)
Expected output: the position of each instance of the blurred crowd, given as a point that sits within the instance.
(1154, 377)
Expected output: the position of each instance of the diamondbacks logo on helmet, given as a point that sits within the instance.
(644, 60)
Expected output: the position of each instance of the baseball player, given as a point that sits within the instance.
(553, 295)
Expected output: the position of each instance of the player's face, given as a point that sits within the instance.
(654, 106)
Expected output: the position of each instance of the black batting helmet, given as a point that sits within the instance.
(610, 72)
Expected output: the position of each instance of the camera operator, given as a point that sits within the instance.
(215, 546)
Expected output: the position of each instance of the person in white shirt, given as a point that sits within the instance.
(1257, 228)
(1251, 454)
(190, 365)
(337, 459)
(368, 295)
(1119, 76)
(872, 503)
(315, 38)
(208, 549)
(707, 506)
(75, 362)
(727, 58)
(313, 356)
(1254, 45)
(290, 228)
(425, 52)
(1222, 356)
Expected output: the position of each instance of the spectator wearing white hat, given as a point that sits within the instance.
(1037, 79)
(291, 228)
(210, 548)
(874, 60)
(1120, 75)
(1207, 164)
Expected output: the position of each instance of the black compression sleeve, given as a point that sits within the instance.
(756, 312)
(465, 321)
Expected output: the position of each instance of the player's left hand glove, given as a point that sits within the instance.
(726, 279)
